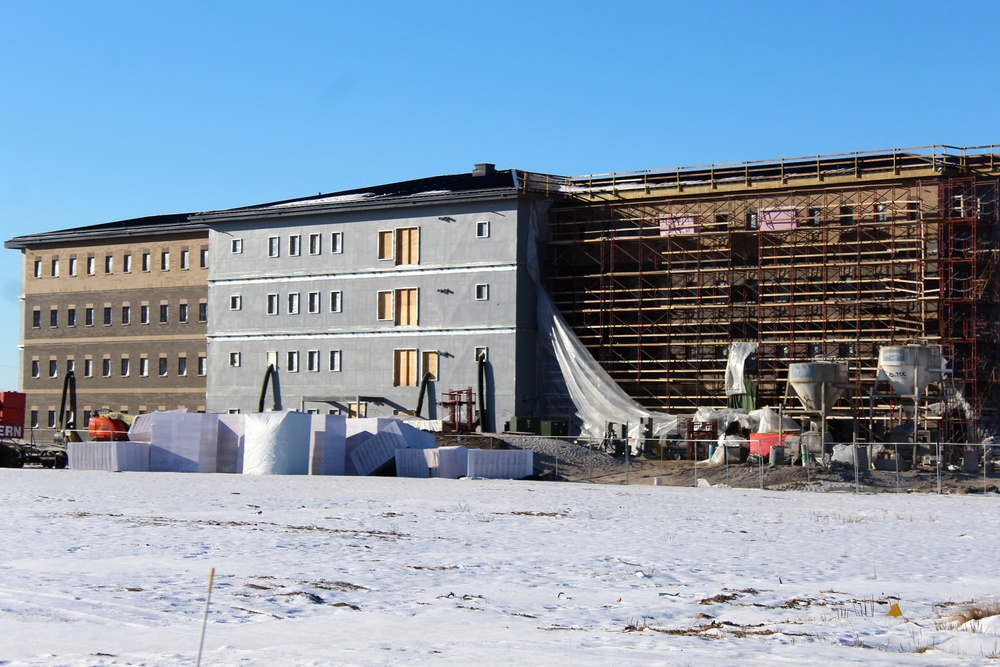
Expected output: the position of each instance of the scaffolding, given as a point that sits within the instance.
(824, 258)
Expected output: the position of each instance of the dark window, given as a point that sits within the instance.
(203, 312)
(164, 314)
(53, 318)
(36, 319)
(71, 317)
(847, 215)
(88, 317)
(107, 316)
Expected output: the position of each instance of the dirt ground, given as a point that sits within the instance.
(815, 477)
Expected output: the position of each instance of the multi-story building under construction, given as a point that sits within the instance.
(828, 257)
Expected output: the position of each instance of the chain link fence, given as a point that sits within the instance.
(862, 468)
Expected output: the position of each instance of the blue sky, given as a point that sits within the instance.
(112, 110)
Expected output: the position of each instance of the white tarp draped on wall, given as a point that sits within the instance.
(738, 353)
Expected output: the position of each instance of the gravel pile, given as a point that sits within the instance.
(567, 453)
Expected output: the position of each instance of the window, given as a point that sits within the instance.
(38, 268)
(125, 367)
(384, 305)
(34, 419)
(272, 359)
(71, 317)
(127, 263)
(336, 301)
(406, 307)
(273, 246)
(185, 260)
(312, 361)
(337, 242)
(88, 368)
(70, 366)
(203, 311)
(272, 304)
(236, 246)
(182, 366)
(881, 215)
(164, 313)
(814, 217)
(109, 264)
(483, 229)
(313, 304)
(335, 360)
(752, 221)
(165, 260)
(292, 365)
(107, 316)
(143, 367)
(404, 368)
(293, 303)
(145, 262)
(234, 359)
(126, 315)
(88, 316)
(182, 313)
(91, 264)
(315, 244)
(294, 245)
(482, 292)
(72, 266)
(385, 245)
(430, 364)
(847, 215)
(203, 258)
(202, 363)
(143, 314)
(163, 366)
(53, 318)
(55, 268)
(36, 319)
(52, 418)
(53, 368)
(482, 354)
(106, 367)
(36, 370)
(235, 302)
(408, 245)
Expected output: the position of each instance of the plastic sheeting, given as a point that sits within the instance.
(232, 429)
(412, 463)
(379, 449)
(277, 443)
(448, 462)
(738, 353)
(596, 398)
(767, 421)
(120, 456)
(328, 445)
(501, 463)
(178, 441)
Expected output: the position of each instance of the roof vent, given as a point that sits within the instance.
(484, 169)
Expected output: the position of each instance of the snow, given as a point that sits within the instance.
(112, 569)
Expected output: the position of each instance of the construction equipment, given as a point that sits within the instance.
(106, 425)
(14, 452)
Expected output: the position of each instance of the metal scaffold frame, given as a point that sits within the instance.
(657, 284)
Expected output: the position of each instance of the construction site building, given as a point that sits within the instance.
(828, 257)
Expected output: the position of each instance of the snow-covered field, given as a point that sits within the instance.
(113, 569)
